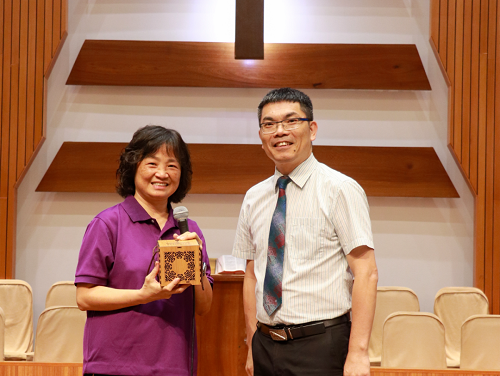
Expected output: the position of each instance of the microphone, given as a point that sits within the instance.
(181, 214)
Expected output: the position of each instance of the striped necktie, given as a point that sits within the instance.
(276, 252)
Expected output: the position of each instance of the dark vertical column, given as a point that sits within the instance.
(249, 38)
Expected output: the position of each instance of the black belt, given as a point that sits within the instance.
(285, 333)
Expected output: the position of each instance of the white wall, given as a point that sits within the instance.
(421, 243)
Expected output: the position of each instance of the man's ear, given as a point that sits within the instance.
(313, 127)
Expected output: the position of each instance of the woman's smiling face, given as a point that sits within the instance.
(157, 177)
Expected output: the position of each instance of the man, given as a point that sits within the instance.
(305, 242)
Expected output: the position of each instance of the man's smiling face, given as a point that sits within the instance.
(287, 148)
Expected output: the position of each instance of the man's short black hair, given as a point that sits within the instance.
(146, 142)
(287, 94)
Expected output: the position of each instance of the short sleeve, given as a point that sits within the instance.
(96, 256)
(243, 245)
(351, 217)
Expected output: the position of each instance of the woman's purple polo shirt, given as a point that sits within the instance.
(147, 339)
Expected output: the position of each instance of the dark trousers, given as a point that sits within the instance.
(316, 355)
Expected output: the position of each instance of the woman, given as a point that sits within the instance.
(134, 325)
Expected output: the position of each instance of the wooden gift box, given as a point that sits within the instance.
(179, 259)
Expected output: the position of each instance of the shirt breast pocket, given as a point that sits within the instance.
(306, 238)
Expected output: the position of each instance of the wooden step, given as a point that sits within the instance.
(200, 64)
(234, 168)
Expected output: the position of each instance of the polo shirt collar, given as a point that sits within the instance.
(301, 173)
(134, 210)
(138, 214)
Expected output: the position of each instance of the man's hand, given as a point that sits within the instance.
(357, 365)
(249, 365)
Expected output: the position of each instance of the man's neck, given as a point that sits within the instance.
(287, 168)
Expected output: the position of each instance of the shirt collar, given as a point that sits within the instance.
(138, 214)
(301, 173)
(134, 210)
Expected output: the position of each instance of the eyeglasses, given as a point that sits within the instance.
(268, 127)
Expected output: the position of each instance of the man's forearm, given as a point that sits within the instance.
(249, 303)
(364, 295)
(250, 310)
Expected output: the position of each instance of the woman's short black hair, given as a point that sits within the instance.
(146, 142)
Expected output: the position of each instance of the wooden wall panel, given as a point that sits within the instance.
(450, 63)
(3, 232)
(490, 148)
(321, 66)
(381, 171)
(458, 76)
(64, 18)
(476, 11)
(48, 33)
(443, 30)
(56, 25)
(434, 22)
(23, 78)
(27, 47)
(475, 92)
(4, 191)
(481, 175)
(30, 85)
(13, 130)
(39, 72)
(496, 174)
(464, 111)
